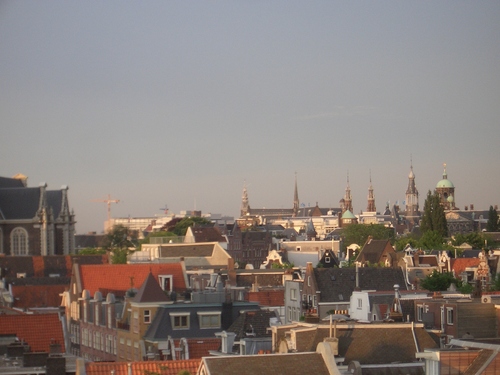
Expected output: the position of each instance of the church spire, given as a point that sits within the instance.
(295, 199)
(411, 194)
(245, 207)
(371, 197)
(347, 197)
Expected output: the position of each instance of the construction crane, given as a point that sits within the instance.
(108, 202)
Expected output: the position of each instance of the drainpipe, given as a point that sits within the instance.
(357, 276)
(129, 368)
(414, 336)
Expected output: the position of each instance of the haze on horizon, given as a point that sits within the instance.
(183, 102)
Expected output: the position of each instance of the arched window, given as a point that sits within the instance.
(19, 241)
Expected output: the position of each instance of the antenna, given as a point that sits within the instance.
(108, 202)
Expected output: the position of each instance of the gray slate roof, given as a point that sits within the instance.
(337, 284)
(6, 182)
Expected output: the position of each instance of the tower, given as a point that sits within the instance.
(446, 191)
(347, 197)
(411, 195)
(245, 207)
(371, 198)
(295, 199)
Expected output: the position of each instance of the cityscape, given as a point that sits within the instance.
(219, 188)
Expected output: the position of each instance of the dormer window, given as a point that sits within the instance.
(180, 320)
(166, 282)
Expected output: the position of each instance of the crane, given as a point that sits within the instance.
(108, 202)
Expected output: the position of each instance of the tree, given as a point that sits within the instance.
(433, 217)
(437, 281)
(358, 233)
(118, 241)
(475, 239)
(401, 243)
(120, 237)
(91, 251)
(182, 226)
(493, 223)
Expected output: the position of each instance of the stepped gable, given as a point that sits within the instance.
(337, 284)
(37, 330)
(150, 291)
(118, 278)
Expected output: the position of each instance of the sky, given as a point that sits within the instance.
(182, 103)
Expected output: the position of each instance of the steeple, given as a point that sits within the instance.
(411, 194)
(295, 199)
(371, 197)
(245, 207)
(347, 197)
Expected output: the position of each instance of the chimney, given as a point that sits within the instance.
(231, 272)
(357, 277)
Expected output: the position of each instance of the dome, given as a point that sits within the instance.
(445, 183)
(348, 215)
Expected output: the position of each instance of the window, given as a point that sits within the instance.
(420, 312)
(147, 316)
(449, 315)
(110, 316)
(19, 241)
(315, 301)
(209, 319)
(1, 241)
(290, 317)
(97, 321)
(293, 294)
(85, 337)
(297, 248)
(179, 320)
(360, 303)
(327, 259)
(166, 282)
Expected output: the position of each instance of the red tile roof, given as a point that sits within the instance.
(459, 265)
(158, 367)
(37, 295)
(37, 330)
(268, 297)
(121, 277)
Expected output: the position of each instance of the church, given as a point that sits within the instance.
(34, 220)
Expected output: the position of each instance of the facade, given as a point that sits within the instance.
(35, 220)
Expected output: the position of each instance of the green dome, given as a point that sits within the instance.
(445, 183)
(348, 215)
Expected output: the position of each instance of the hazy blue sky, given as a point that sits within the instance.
(180, 102)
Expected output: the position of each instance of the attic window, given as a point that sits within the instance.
(209, 319)
(341, 297)
(327, 259)
(297, 248)
(21, 275)
(180, 320)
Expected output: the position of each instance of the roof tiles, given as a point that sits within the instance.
(143, 367)
(121, 277)
(37, 330)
